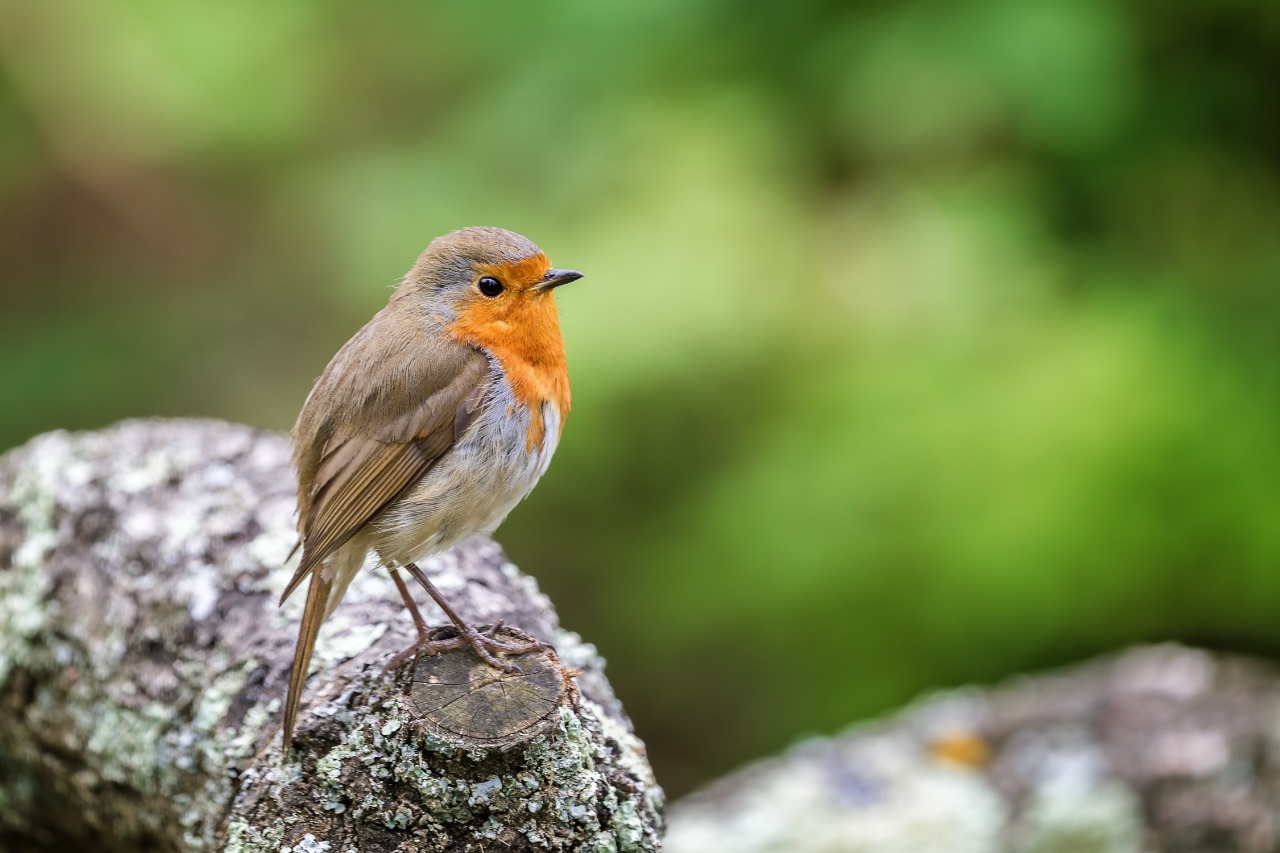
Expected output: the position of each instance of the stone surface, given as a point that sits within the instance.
(143, 661)
(1157, 749)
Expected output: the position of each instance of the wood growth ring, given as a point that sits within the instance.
(459, 698)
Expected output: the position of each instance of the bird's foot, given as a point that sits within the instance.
(484, 642)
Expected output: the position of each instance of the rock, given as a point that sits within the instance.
(1163, 748)
(143, 662)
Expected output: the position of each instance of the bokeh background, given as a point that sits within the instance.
(923, 342)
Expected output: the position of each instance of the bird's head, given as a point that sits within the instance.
(485, 278)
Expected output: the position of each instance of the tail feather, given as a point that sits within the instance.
(306, 567)
(312, 617)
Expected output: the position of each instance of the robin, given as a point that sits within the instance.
(427, 427)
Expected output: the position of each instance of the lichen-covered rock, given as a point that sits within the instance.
(143, 659)
(1157, 749)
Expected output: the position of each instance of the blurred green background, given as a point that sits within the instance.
(922, 343)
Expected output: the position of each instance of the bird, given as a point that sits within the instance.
(428, 427)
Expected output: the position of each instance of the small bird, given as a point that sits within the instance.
(427, 427)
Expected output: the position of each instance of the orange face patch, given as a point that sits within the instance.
(521, 329)
(517, 275)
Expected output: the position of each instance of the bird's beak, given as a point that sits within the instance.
(555, 278)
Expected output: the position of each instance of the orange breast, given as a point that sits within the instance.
(522, 331)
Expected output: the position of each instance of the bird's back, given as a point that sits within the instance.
(360, 446)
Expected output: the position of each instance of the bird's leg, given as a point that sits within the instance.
(484, 644)
(418, 621)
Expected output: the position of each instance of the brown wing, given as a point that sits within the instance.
(368, 443)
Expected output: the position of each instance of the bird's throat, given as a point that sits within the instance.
(523, 334)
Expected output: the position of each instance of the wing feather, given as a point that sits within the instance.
(359, 464)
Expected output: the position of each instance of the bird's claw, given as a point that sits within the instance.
(483, 642)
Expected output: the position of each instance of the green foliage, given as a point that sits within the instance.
(921, 342)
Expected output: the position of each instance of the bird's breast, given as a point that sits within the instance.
(473, 487)
(524, 342)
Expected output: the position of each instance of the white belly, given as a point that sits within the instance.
(473, 486)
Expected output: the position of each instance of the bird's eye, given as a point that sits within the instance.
(490, 286)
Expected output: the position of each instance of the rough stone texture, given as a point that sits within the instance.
(143, 661)
(1158, 749)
